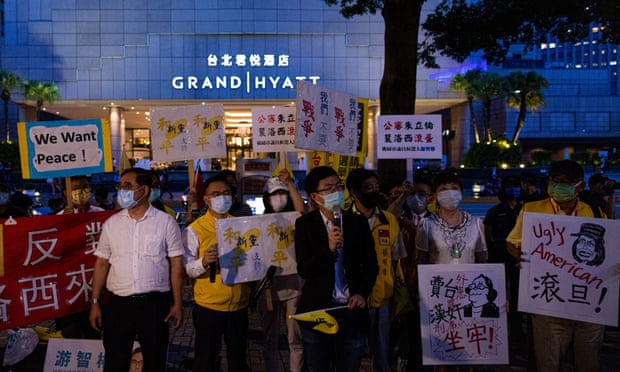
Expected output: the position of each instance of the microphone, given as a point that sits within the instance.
(338, 221)
(212, 269)
(263, 286)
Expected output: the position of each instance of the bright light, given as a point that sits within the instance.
(521, 165)
(504, 165)
(462, 166)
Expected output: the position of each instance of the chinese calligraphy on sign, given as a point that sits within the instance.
(462, 314)
(569, 267)
(48, 267)
(188, 132)
(409, 137)
(273, 129)
(326, 120)
(72, 355)
(249, 245)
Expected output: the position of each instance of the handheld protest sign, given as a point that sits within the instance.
(64, 148)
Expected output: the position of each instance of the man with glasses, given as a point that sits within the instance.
(553, 335)
(220, 309)
(336, 258)
(140, 263)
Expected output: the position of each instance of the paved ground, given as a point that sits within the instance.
(181, 349)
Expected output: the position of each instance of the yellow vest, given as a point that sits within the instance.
(216, 296)
(384, 232)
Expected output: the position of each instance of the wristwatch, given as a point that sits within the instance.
(94, 301)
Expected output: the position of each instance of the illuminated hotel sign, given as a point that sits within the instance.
(255, 73)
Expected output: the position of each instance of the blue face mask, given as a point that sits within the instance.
(154, 195)
(125, 199)
(333, 201)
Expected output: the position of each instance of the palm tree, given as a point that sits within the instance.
(524, 92)
(41, 92)
(466, 83)
(10, 81)
(488, 87)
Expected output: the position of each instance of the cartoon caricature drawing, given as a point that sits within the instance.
(589, 247)
(481, 296)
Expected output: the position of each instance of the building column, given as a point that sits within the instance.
(117, 132)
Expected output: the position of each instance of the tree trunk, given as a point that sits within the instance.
(398, 85)
(520, 121)
(474, 123)
(486, 105)
(6, 97)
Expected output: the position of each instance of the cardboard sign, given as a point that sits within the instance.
(188, 132)
(462, 314)
(64, 148)
(409, 137)
(569, 267)
(326, 119)
(249, 245)
(273, 129)
(73, 355)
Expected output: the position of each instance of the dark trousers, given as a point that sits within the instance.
(340, 352)
(210, 325)
(140, 318)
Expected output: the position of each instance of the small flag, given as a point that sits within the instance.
(323, 321)
(199, 187)
(401, 300)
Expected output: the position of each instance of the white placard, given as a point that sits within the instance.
(326, 119)
(188, 132)
(273, 129)
(569, 267)
(74, 355)
(462, 314)
(249, 245)
(409, 137)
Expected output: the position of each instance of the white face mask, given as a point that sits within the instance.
(278, 202)
(221, 204)
(449, 199)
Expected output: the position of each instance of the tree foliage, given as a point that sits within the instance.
(459, 28)
(524, 92)
(493, 154)
(41, 92)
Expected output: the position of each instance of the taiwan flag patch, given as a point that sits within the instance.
(384, 237)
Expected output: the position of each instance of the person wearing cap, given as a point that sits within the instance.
(281, 195)
(553, 335)
(529, 193)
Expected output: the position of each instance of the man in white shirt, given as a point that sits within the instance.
(140, 263)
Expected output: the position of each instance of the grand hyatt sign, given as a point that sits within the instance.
(253, 78)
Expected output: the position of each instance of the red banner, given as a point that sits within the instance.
(46, 266)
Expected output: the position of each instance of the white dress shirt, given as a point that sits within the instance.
(138, 251)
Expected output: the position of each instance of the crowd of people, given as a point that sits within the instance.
(349, 252)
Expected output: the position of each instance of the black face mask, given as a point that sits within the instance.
(371, 199)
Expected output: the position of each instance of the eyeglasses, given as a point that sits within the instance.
(477, 286)
(137, 362)
(331, 188)
(85, 190)
(127, 186)
(215, 194)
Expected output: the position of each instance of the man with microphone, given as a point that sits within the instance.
(220, 309)
(337, 260)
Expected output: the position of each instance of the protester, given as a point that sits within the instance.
(238, 208)
(450, 235)
(7, 209)
(529, 190)
(101, 199)
(498, 222)
(281, 195)
(77, 325)
(553, 335)
(601, 195)
(411, 209)
(140, 263)
(339, 266)
(155, 197)
(79, 194)
(363, 186)
(21, 200)
(137, 361)
(219, 309)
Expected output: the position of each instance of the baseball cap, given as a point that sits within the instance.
(274, 184)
